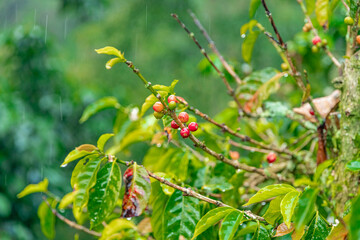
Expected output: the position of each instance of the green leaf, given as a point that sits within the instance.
(273, 213)
(248, 45)
(85, 180)
(104, 195)
(181, 213)
(261, 233)
(47, 219)
(321, 11)
(137, 191)
(266, 89)
(67, 200)
(116, 226)
(310, 6)
(354, 222)
(254, 5)
(247, 26)
(79, 152)
(269, 192)
(210, 219)
(353, 165)
(250, 228)
(230, 224)
(287, 206)
(101, 104)
(158, 202)
(110, 51)
(33, 188)
(102, 140)
(306, 208)
(178, 166)
(166, 189)
(318, 229)
(320, 169)
(150, 100)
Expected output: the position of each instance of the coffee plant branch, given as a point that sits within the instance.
(197, 142)
(69, 222)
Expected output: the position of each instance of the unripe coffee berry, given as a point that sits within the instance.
(349, 20)
(185, 132)
(158, 107)
(284, 67)
(271, 157)
(172, 105)
(174, 125)
(172, 98)
(193, 126)
(324, 42)
(158, 115)
(358, 39)
(316, 40)
(315, 49)
(184, 117)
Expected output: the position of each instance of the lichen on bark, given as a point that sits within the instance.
(346, 182)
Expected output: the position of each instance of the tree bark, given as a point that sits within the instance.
(346, 182)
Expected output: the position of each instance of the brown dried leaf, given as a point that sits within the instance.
(282, 230)
(86, 147)
(324, 105)
(145, 226)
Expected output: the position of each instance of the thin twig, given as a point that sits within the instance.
(230, 90)
(191, 193)
(345, 5)
(71, 223)
(214, 49)
(283, 45)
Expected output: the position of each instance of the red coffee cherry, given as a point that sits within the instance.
(172, 98)
(158, 107)
(234, 155)
(193, 126)
(271, 157)
(184, 117)
(316, 40)
(174, 125)
(312, 112)
(185, 132)
(358, 39)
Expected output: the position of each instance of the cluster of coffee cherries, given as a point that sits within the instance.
(318, 43)
(183, 116)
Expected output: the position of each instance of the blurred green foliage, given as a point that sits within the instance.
(49, 72)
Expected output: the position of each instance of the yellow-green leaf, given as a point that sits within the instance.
(321, 11)
(273, 212)
(33, 188)
(248, 45)
(79, 152)
(254, 5)
(269, 192)
(109, 64)
(116, 226)
(66, 200)
(47, 220)
(110, 51)
(287, 206)
(102, 140)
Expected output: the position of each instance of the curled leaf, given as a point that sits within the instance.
(282, 230)
(33, 188)
(110, 51)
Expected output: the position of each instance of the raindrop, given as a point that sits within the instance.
(243, 35)
(46, 26)
(61, 114)
(263, 203)
(61, 210)
(34, 17)
(128, 218)
(64, 165)
(158, 145)
(65, 27)
(286, 75)
(146, 18)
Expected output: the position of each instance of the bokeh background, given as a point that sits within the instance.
(49, 73)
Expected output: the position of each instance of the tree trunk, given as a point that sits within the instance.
(346, 182)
